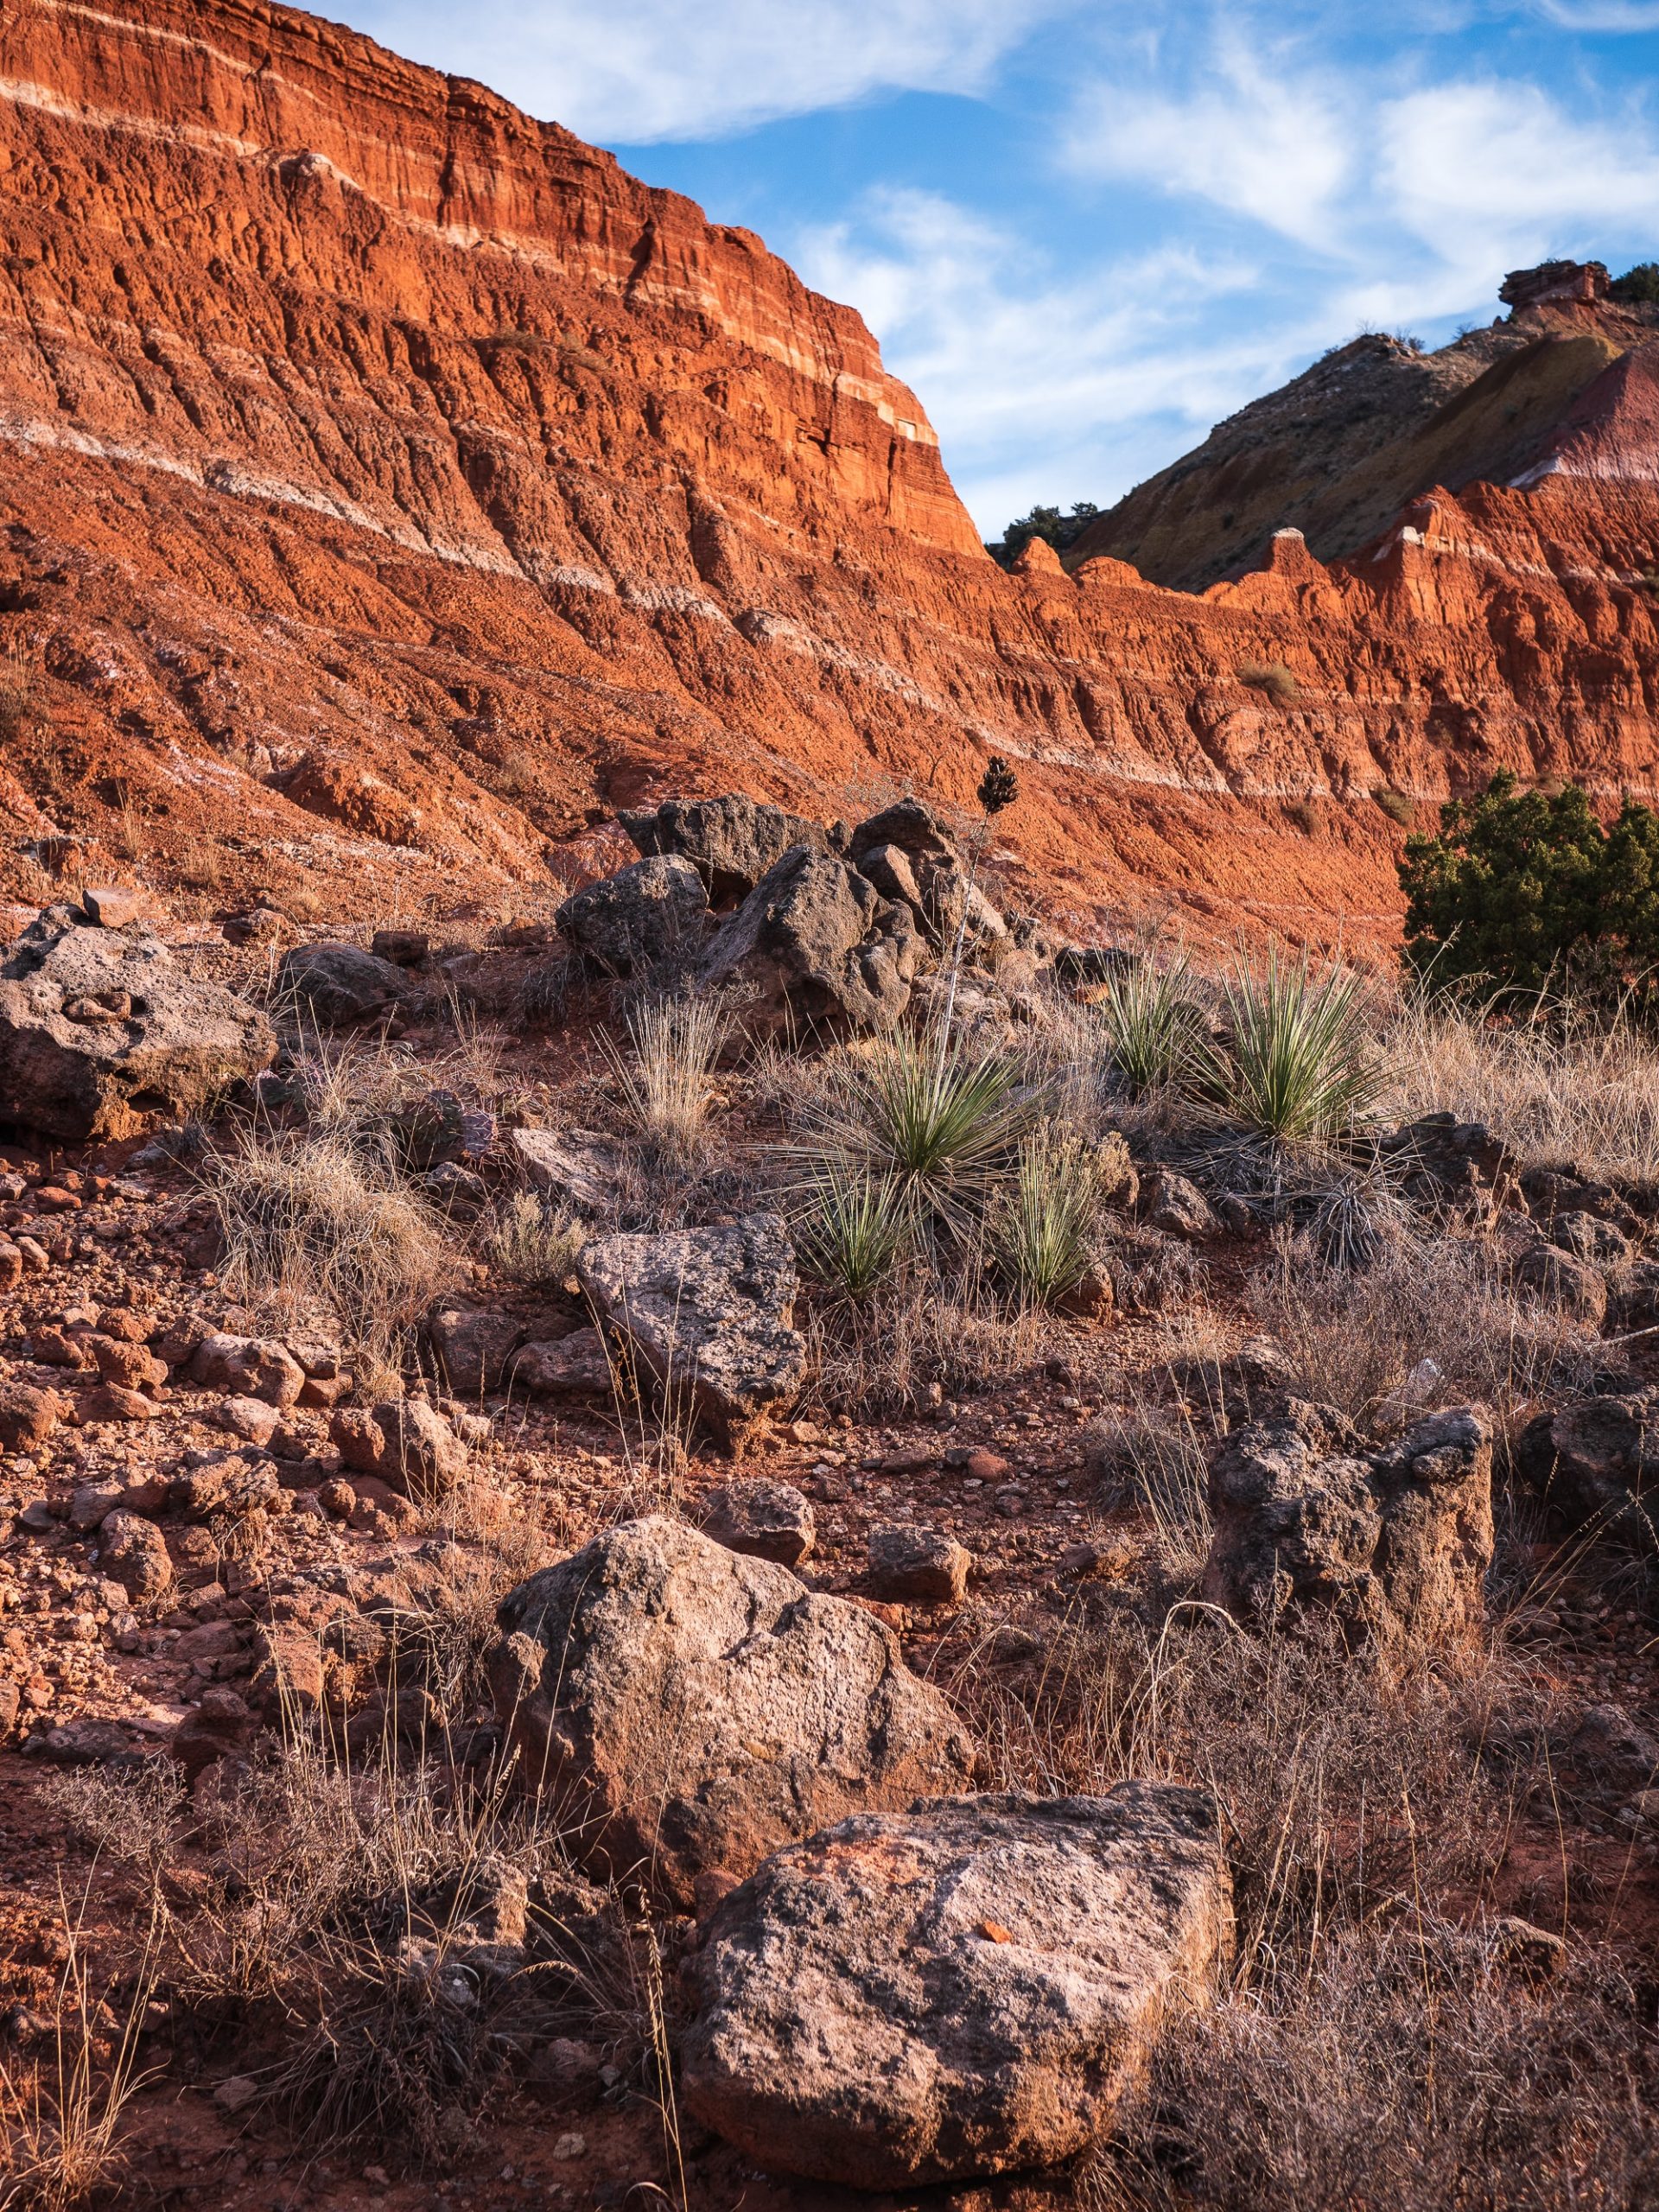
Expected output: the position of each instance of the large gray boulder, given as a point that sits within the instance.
(1598, 1462)
(685, 1709)
(1389, 1542)
(338, 985)
(814, 947)
(629, 921)
(707, 1314)
(956, 1992)
(731, 842)
(100, 1030)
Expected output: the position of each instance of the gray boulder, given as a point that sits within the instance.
(575, 1366)
(247, 1367)
(1390, 1542)
(642, 914)
(685, 1709)
(708, 1315)
(133, 1552)
(100, 1030)
(816, 947)
(1599, 1462)
(1175, 1205)
(956, 1992)
(1561, 1279)
(921, 1567)
(731, 842)
(765, 1518)
(911, 826)
(339, 984)
(577, 1166)
(472, 1348)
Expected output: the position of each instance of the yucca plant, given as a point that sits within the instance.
(1040, 1230)
(1300, 1068)
(852, 1228)
(1149, 1023)
(667, 1084)
(944, 1128)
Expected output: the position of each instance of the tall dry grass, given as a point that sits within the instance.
(321, 1221)
(1429, 1322)
(1562, 1087)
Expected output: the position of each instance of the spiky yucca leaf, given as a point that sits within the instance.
(854, 1227)
(1300, 1066)
(1041, 1228)
(1150, 1024)
(944, 1127)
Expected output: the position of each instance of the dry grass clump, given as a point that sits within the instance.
(534, 1243)
(1560, 1087)
(1272, 677)
(1414, 2069)
(318, 1220)
(61, 2117)
(1429, 1322)
(667, 1079)
(1157, 1458)
(921, 1338)
(1364, 2049)
(1041, 1228)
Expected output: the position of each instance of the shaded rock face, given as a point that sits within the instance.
(731, 842)
(1599, 1462)
(708, 1314)
(766, 1519)
(643, 914)
(816, 947)
(340, 984)
(101, 1029)
(1389, 1542)
(957, 1991)
(685, 1709)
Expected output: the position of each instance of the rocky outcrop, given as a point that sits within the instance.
(628, 922)
(101, 1029)
(816, 949)
(338, 985)
(1387, 1543)
(766, 1519)
(1598, 1462)
(957, 1991)
(708, 1315)
(731, 842)
(921, 1567)
(685, 1709)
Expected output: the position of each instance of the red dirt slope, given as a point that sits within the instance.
(393, 487)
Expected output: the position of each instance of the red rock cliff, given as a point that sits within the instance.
(392, 487)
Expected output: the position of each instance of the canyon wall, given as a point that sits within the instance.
(391, 487)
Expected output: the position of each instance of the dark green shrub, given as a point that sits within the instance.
(1638, 286)
(1047, 523)
(1525, 891)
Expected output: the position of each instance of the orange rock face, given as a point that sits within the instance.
(393, 488)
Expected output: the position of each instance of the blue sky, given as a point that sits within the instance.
(1084, 233)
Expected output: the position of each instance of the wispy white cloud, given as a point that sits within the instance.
(1257, 139)
(1043, 385)
(1600, 14)
(630, 70)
